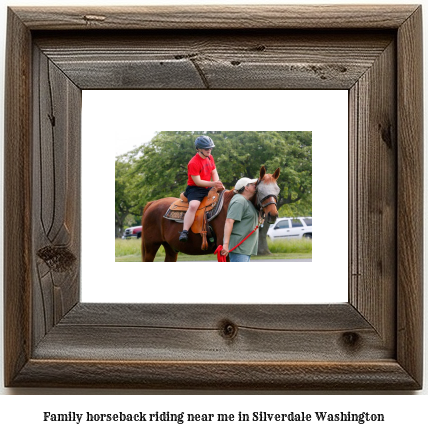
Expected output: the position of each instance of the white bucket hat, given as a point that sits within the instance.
(243, 182)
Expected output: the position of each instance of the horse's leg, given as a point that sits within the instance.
(149, 251)
(170, 253)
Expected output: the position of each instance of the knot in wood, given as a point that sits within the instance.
(228, 330)
(386, 134)
(351, 340)
(59, 259)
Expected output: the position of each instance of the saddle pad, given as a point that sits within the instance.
(177, 210)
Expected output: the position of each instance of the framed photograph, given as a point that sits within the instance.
(114, 122)
(372, 341)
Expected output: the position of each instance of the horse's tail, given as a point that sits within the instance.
(142, 229)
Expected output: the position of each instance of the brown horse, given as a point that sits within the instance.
(158, 231)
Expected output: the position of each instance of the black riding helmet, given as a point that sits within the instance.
(204, 142)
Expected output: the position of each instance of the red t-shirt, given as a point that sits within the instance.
(200, 166)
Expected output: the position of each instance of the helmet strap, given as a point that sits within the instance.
(201, 151)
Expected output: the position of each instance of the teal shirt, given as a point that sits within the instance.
(246, 219)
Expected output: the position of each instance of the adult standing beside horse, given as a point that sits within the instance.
(242, 218)
(202, 175)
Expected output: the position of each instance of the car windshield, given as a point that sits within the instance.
(308, 221)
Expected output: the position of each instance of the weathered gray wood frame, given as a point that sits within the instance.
(372, 342)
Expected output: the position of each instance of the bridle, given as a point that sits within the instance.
(272, 202)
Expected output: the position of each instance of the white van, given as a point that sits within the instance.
(291, 228)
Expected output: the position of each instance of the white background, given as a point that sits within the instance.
(111, 118)
(404, 413)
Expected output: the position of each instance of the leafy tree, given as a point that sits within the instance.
(124, 196)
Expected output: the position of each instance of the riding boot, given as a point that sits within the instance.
(184, 236)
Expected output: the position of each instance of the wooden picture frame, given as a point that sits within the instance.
(372, 342)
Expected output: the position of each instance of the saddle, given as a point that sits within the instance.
(208, 209)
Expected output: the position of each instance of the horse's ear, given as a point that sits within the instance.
(262, 172)
(276, 174)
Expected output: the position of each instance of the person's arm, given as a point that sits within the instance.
(228, 226)
(216, 179)
(201, 183)
(214, 175)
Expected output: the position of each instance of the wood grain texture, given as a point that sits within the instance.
(410, 196)
(386, 375)
(372, 342)
(210, 316)
(373, 175)
(17, 198)
(56, 198)
(216, 17)
(200, 332)
(216, 59)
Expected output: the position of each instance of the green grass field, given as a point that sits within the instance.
(130, 251)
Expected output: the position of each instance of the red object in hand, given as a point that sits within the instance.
(220, 257)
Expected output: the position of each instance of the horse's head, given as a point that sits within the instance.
(267, 195)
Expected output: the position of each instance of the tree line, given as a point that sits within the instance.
(159, 168)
